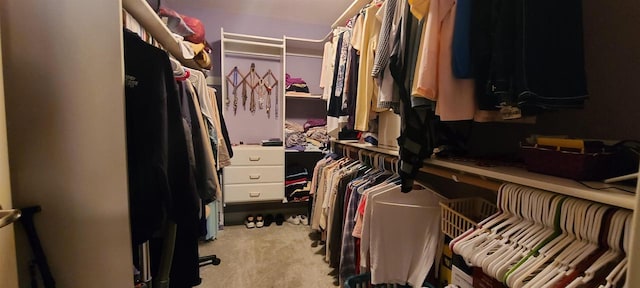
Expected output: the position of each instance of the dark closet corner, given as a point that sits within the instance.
(612, 63)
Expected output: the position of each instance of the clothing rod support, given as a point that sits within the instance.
(280, 46)
(252, 54)
(304, 55)
(230, 35)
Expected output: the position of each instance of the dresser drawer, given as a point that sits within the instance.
(253, 174)
(257, 156)
(242, 193)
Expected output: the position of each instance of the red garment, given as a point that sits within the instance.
(295, 181)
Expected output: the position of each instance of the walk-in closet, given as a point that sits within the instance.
(336, 143)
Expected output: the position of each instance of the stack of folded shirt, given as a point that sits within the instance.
(296, 84)
(296, 180)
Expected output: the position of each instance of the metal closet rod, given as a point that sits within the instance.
(457, 177)
(252, 54)
(477, 181)
(149, 20)
(353, 8)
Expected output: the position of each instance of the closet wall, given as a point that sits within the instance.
(8, 269)
(612, 62)
(249, 21)
(63, 73)
(300, 110)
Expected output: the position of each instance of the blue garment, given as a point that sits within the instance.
(460, 48)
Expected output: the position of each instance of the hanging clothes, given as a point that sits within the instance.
(416, 217)
(224, 149)
(208, 184)
(340, 188)
(156, 131)
(365, 42)
(148, 86)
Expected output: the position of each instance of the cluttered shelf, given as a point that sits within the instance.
(366, 146)
(298, 95)
(493, 177)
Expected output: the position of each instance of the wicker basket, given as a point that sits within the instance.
(460, 215)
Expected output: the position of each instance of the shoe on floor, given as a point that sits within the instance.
(249, 222)
(279, 219)
(268, 220)
(294, 219)
(303, 219)
(259, 221)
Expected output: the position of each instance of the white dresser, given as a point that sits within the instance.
(256, 174)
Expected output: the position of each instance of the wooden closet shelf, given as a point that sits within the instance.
(366, 146)
(294, 95)
(516, 175)
(492, 177)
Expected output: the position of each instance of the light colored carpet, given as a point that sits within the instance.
(268, 257)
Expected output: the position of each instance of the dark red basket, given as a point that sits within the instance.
(570, 164)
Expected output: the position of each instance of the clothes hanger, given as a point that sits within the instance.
(526, 264)
(487, 251)
(593, 222)
(534, 207)
(575, 270)
(612, 256)
(618, 274)
(555, 267)
(466, 243)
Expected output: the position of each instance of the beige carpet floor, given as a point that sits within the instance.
(269, 257)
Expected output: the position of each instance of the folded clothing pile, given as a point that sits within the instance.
(296, 183)
(294, 135)
(314, 132)
(317, 136)
(296, 84)
(295, 139)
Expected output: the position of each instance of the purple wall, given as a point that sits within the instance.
(235, 22)
(300, 110)
(248, 24)
(307, 68)
(245, 126)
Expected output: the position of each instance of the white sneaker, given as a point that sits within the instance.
(294, 220)
(249, 222)
(303, 219)
(259, 221)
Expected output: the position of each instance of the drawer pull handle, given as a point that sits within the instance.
(254, 194)
(254, 177)
(254, 158)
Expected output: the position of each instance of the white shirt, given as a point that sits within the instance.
(402, 234)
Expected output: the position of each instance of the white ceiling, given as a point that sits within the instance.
(320, 12)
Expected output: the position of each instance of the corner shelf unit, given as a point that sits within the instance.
(256, 172)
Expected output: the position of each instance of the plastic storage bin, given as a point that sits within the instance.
(459, 215)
